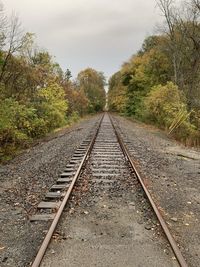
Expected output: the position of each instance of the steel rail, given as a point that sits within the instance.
(163, 224)
(47, 239)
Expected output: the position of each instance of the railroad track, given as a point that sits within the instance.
(109, 160)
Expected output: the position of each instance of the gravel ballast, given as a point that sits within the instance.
(24, 182)
(172, 174)
(99, 213)
(108, 222)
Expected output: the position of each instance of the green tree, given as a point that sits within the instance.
(92, 83)
(117, 93)
(51, 105)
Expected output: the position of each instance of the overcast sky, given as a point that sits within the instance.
(101, 34)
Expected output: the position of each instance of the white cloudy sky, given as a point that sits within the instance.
(88, 33)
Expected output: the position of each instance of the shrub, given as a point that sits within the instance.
(52, 106)
(12, 117)
(163, 104)
(19, 123)
(74, 116)
(13, 122)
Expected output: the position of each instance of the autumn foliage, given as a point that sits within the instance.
(160, 84)
(36, 95)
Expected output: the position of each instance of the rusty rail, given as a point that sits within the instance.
(163, 224)
(47, 239)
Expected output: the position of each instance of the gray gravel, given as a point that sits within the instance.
(24, 182)
(108, 222)
(172, 174)
(170, 171)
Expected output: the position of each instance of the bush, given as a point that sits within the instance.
(12, 117)
(52, 106)
(19, 123)
(165, 108)
(14, 126)
(163, 104)
(74, 116)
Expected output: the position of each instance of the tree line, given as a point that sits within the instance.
(160, 84)
(36, 95)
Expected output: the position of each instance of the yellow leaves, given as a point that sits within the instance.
(165, 107)
(117, 93)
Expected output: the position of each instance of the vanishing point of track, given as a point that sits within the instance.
(59, 194)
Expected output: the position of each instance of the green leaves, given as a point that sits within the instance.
(117, 98)
(142, 89)
(52, 106)
(163, 104)
(20, 123)
(36, 95)
(92, 82)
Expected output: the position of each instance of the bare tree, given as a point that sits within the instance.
(3, 26)
(183, 30)
(188, 27)
(13, 41)
(196, 3)
(166, 7)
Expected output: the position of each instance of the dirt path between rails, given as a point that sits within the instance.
(172, 173)
(24, 181)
